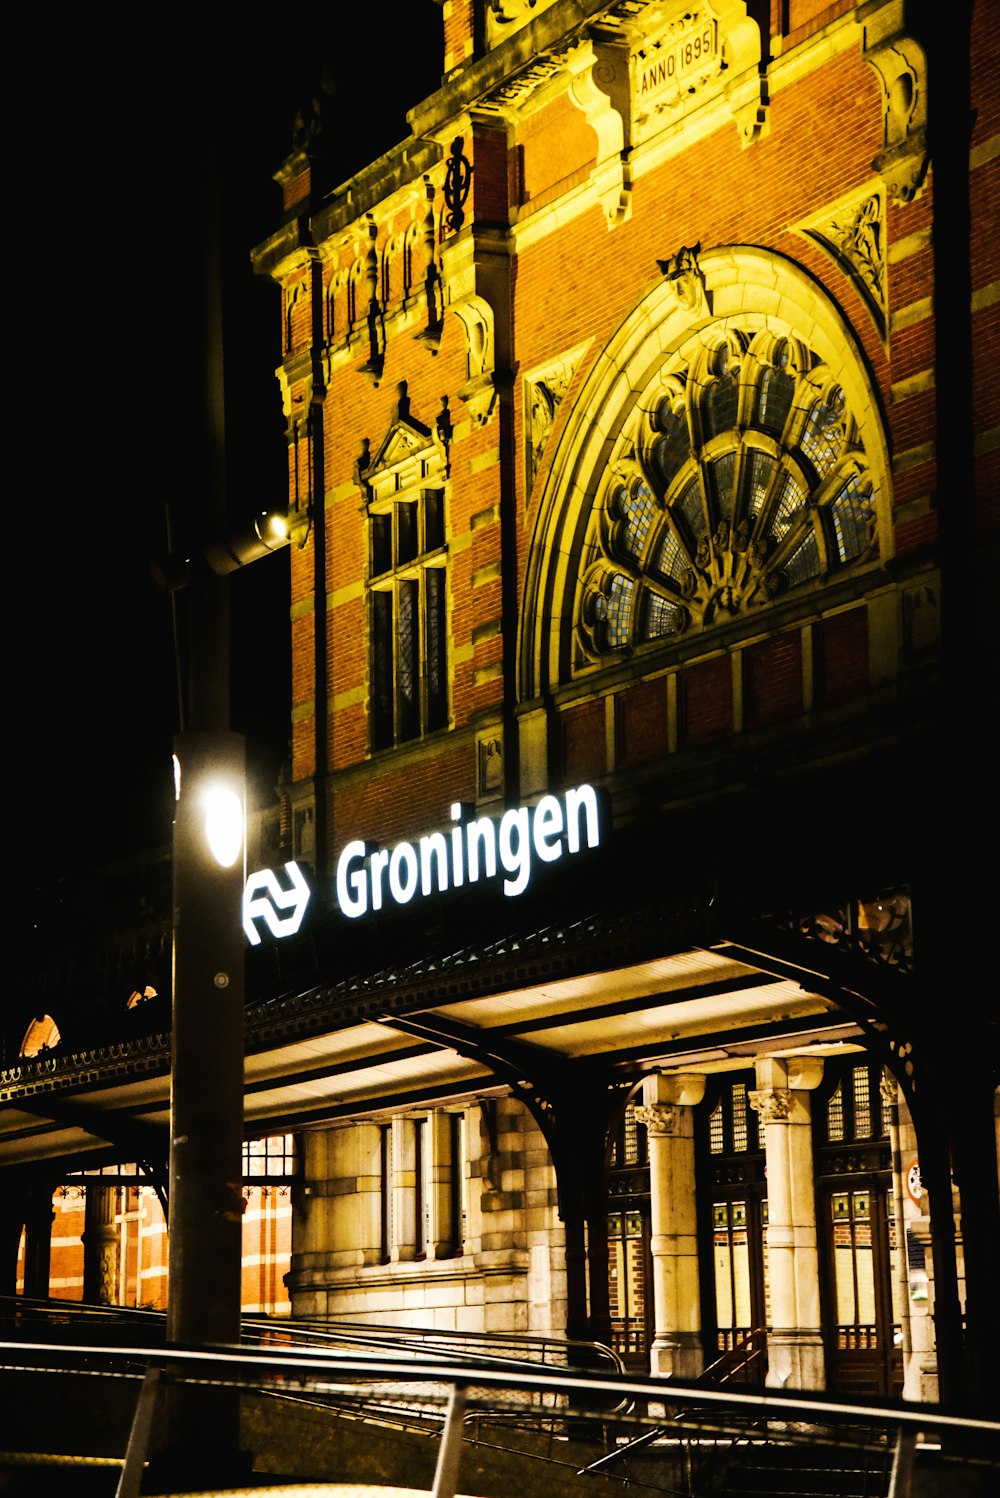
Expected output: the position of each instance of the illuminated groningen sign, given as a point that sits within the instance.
(473, 850)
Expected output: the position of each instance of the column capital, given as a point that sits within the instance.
(774, 1104)
(661, 1119)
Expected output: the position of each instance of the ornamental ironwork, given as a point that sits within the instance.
(879, 928)
(457, 181)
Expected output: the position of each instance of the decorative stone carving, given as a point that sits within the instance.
(901, 65)
(774, 1104)
(375, 362)
(683, 273)
(505, 17)
(853, 235)
(544, 391)
(601, 91)
(705, 49)
(661, 1119)
(921, 619)
(479, 392)
(489, 765)
(408, 453)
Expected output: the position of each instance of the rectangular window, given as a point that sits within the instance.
(421, 1163)
(383, 672)
(436, 653)
(408, 694)
(385, 1192)
(457, 1184)
(407, 592)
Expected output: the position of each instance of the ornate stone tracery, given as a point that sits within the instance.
(739, 478)
(715, 460)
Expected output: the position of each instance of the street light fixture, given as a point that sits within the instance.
(268, 531)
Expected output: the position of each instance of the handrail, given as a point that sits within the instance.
(745, 1352)
(315, 1331)
(521, 1346)
(345, 1371)
(792, 1406)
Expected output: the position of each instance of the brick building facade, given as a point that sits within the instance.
(642, 438)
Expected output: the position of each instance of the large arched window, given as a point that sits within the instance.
(738, 477)
(726, 453)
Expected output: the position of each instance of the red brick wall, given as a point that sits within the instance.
(842, 656)
(705, 701)
(584, 750)
(641, 723)
(772, 679)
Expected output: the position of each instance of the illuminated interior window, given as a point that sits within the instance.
(631, 1140)
(716, 1131)
(628, 1144)
(835, 1115)
(274, 1156)
(862, 1103)
(739, 1116)
(739, 478)
(41, 1035)
(732, 1124)
(854, 1107)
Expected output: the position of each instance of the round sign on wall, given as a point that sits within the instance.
(914, 1189)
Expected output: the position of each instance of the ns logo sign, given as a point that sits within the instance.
(280, 909)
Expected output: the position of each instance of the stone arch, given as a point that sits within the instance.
(738, 298)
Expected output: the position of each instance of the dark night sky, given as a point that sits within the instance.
(110, 272)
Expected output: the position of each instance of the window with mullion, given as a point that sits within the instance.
(407, 600)
(739, 478)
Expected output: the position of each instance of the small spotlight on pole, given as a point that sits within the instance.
(268, 531)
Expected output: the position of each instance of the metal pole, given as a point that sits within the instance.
(450, 1450)
(204, 1263)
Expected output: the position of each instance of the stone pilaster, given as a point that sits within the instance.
(795, 1343)
(667, 1111)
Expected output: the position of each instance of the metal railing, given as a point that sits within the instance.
(19, 1313)
(573, 1412)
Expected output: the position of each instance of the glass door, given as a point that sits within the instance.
(859, 1241)
(628, 1278)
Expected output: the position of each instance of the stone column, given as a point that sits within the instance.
(667, 1104)
(794, 1343)
(100, 1244)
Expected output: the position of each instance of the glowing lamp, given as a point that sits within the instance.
(223, 823)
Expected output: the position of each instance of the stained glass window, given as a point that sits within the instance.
(741, 477)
